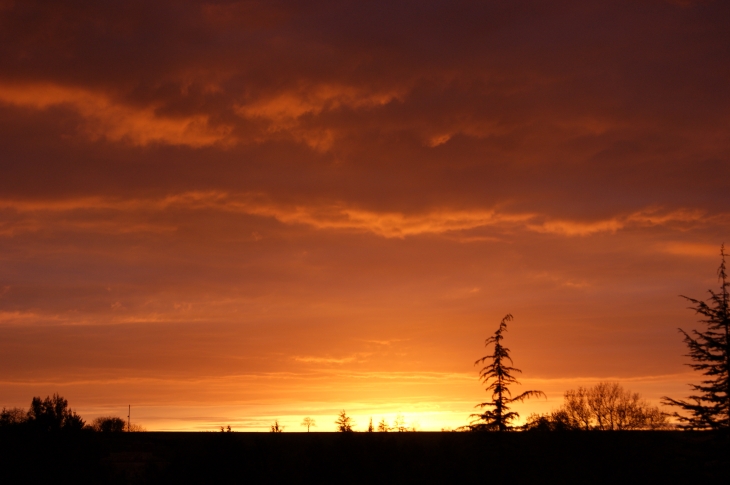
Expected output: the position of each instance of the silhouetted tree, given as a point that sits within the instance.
(399, 424)
(109, 424)
(383, 426)
(344, 422)
(52, 414)
(135, 428)
(497, 375)
(710, 350)
(13, 417)
(308, 422)
(370, 425)
(605, 406)
(226, 429)
(275, 428)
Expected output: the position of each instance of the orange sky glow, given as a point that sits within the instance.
(231, 212)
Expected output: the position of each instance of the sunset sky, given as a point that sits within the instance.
(239, 211)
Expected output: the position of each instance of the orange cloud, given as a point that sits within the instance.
(282, 111)
(328, 360)
(340, 216)
(115, 121)
(691, 249)
(646, 217)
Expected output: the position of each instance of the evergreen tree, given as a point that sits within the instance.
(710, 351)
(383, 426)
(344, 422)
(498, 377)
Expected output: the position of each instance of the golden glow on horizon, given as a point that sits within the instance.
(421, 400)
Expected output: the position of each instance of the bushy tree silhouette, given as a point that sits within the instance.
(13, 417)
(53, 414)
(344, 422)
(497, 375)
(109, 424)
(383, 426)
(275, 428)
(710, 351)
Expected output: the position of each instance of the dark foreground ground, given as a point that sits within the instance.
(541, 457)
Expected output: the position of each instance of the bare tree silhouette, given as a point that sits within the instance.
(605, 406)
(275, 428)
(497, 375)
(308, 422)
(399, 423)
(710, 350)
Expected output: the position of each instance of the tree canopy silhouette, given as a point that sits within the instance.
(497, 375)
(53, 414)
(109, 424)
(710, 351)
(605, 406)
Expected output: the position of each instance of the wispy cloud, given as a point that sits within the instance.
(113, 120)
(359, 357)
(340, 216)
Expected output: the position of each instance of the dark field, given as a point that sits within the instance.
(547, 457)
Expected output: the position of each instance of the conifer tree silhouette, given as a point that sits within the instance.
(710, 351)
(497, 375)
(344, 422)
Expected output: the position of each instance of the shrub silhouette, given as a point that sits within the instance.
(109, 424)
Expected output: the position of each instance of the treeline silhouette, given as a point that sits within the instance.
(52, 414)
(609, 407)
(600, 434)
(605, 407)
